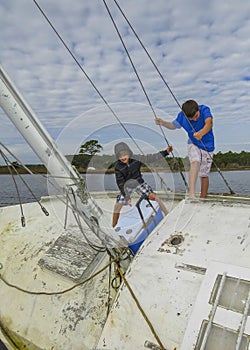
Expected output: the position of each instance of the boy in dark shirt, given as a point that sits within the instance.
(129, 179)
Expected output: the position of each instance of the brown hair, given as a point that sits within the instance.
(189, 108)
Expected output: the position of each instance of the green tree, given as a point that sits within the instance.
(81, 160)
(90, 147)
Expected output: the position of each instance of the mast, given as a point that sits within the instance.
(33, 131)
(24, 119)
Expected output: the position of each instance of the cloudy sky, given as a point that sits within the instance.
(201, 48)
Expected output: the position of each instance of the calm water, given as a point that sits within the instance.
(239, 181)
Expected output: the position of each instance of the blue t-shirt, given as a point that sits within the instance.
(191, 126)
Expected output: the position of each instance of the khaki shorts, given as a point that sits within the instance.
(205, 159)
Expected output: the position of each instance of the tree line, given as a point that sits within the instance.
(89, 158)
(229, 160)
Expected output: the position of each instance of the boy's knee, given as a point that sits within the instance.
(152, 196)
(117, 207)
(195, 163)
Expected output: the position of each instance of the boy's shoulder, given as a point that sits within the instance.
(205, 111)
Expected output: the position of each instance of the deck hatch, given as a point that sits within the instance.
(70, 256)
(221, 315)
(235, 293)
(220, 338)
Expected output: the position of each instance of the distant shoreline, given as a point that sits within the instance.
(40, 169)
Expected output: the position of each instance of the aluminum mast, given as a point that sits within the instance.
(56, 163)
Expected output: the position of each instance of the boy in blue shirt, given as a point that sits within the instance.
(198, 122)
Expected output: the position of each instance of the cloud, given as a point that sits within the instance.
(203, 53)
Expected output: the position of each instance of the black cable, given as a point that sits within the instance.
(143, 46)
(26, 185)
(86, 75)
(16, 187)
(30, 172)
(129, 57)
(90, 80)
(142, 86)
(140, 81)
(170, 90)
(102, 97)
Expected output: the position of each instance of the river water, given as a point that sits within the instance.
(238, 181)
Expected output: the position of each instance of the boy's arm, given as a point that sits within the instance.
(207, 127)
(168, 125)
(159, 155)
(120, 181)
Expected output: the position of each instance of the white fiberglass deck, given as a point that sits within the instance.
(176, 277)
(72, 320)
(198, 252)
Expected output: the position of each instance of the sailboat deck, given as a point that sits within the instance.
(175, 277)
(195, 243)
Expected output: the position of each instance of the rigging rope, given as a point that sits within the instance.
(130, 59)
(102, 97)
(142, 86)
(33, 173)
(20, 289)
(16, 187)
(11, 166)
(60, 198)
(149, 56)
(85, 74)
(169, 89)
(139, 307)
(91, 81)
